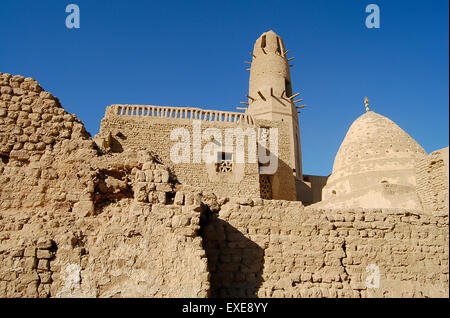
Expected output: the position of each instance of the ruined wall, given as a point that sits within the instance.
(279, 249)
(122, 252)
(71, 219)
(39, 144)
(432, 180)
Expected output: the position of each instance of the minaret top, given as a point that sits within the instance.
(366, 102)
(269, 43)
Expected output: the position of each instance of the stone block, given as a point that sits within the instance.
(45, 278)
(44, 254)
(84, 208)
(30, 252)
(179, 198)
(43, 244)
(44, 264)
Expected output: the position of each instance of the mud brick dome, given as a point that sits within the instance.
(374, 151)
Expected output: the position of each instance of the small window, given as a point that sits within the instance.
(224, 162)
(263, 42)
(278, 51)
(288, 88)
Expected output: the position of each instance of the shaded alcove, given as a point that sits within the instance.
(234, 261)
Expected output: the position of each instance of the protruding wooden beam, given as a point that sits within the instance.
(244, 103)
(262, 96)
(247, 62)
(247, 69)
(291, 59)
(293, 96)
(301, 106)
(298, 100)
(241, 108)
(249, 97)
(286, 52)
(291, 65)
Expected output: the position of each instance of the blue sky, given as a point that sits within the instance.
(192, 53)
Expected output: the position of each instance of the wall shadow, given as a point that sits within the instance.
(235, 262)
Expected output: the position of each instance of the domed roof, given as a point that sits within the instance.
(375, 139)
(375, 152)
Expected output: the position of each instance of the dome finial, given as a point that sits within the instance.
(366, 101)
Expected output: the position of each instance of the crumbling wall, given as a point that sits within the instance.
(279, 249)
(146, 251)
(432, 180)
(71, 220)
(45, 151)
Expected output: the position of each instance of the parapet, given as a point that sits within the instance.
(178, 113)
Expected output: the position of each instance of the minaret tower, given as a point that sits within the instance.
(270, 92)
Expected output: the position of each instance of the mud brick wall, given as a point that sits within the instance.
(154, 133)
(279, 249)
(36, 137)
(143, 251)
(432, 180)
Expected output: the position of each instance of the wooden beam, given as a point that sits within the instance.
(262, 96)
(298, 100)
(293, 96)
(244, 103)
(246, 62)
(291, 59)
(241, 108)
